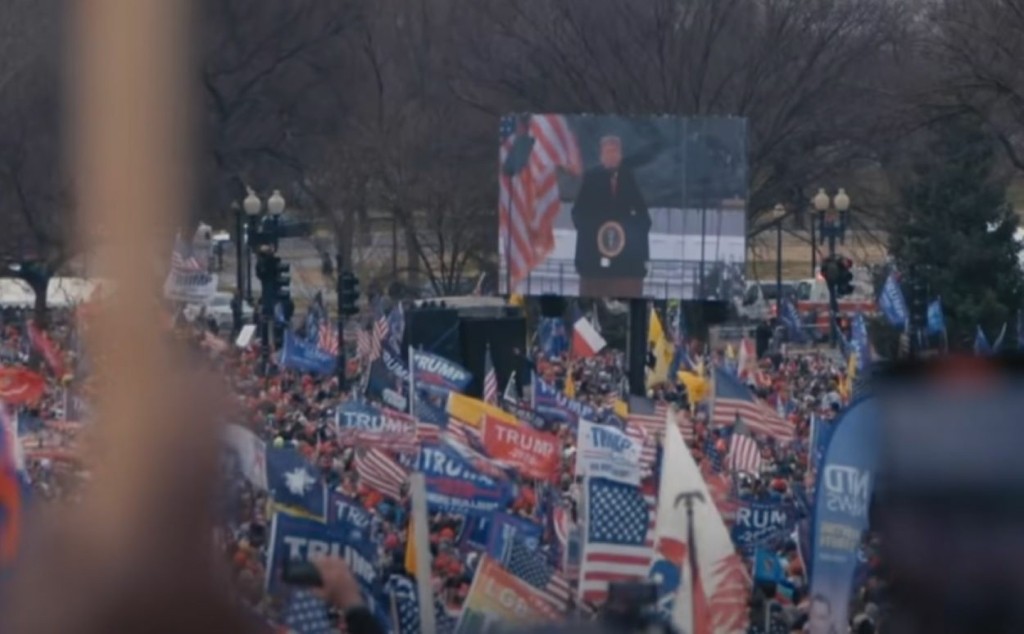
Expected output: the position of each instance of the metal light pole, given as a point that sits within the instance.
(239, 249)
(342, 361)
(778, 213)
(829, 210)
(252, 205)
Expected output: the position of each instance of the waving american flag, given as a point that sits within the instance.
(529, 200)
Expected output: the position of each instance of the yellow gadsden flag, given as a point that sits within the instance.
(663, 351)
(472, 410)
(570, 385)
(697, 388)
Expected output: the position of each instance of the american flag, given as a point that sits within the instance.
(407, 610)
(182, 258)
(328, 339)
(620, 537)
(529, 202)
(490, 379)
(532, 567)
(380, 471)
(732, 399)
(654, 424)
(364, 346)
(307, 614)
(380, 333)
(744, 454)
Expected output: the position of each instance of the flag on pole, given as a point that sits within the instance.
(586, 341)
(744, 454)
(490, 379)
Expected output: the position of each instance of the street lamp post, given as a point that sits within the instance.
(778, 213)
(263, 239)
(830, 211)
(252, 205)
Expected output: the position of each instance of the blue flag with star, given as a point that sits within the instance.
(295, 484)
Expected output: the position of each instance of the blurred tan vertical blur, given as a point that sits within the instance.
(132, 557)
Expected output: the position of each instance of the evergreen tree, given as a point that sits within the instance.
(955, 231)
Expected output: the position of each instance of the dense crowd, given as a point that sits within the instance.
(291, 409)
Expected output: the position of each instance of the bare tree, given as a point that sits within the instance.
(804, 72)
(975, 49)
(36, 239)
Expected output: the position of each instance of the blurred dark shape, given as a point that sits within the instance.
(949, 500)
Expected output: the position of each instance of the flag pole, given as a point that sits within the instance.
(421, 537)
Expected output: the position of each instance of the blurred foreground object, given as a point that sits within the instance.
(135, 555)
(950, 496)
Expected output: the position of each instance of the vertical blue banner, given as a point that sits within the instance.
(845, 484)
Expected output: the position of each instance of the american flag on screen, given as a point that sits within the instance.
(529, 201)
(619, 538)
(380, 471)
(732, 399)
(744, 453)
(532, 567)
(490, 379)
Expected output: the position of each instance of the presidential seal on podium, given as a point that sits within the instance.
(611, 240)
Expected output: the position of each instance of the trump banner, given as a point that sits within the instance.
(763, 525)
(304, 356)
(363, 424)
(843, 496)
(504, 528)
(436, 375)
(605, 452)
(497, 598)
(299, 539)
(533, 453)
(455, 485)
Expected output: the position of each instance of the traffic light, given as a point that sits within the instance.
(844, 279)
(348, 293)
(830, 270)
(282, 280)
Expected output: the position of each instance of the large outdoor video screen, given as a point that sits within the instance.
(609, 206)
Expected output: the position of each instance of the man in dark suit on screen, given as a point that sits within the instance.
(612, 226)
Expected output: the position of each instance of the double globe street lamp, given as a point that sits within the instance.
(256, 231)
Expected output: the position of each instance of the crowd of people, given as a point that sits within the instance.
(290, 409)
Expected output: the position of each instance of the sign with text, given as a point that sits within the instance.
(455, 485)
(366, 425)
(533, 453)
(297, 538)
(843, 497)
(498, 597)
(434, 374)
(606, 452)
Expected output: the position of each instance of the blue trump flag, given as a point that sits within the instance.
(505, 528)
(860, 344)
(891, 301)
(436, 375)
(763, 525)
(843, 496)
(791, 318)
(455, 485)
(306, 356)
(552, 336)
(294, 483)
(553, 405)
(300, 539)
(936, 320)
